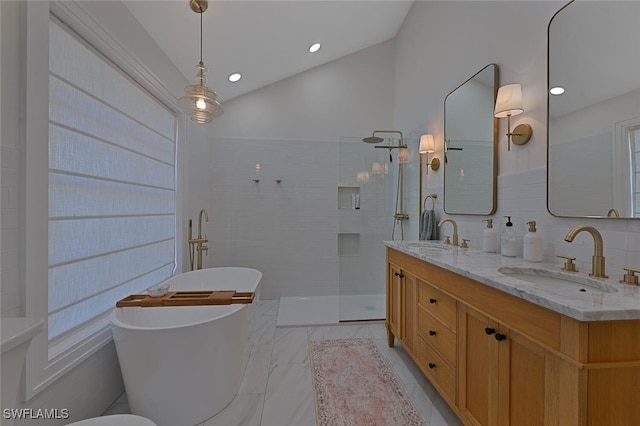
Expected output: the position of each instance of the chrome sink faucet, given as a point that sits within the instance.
(597, 262)
(455, 229)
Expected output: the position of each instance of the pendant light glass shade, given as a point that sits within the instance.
(199, 102)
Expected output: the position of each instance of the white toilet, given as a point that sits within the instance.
(115, 420)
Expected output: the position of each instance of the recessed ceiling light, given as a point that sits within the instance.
(235, 77)
(314, 47)
(557, 90)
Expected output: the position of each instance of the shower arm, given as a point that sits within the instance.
(390, 147)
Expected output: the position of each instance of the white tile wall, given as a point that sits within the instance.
(287, 230)
(522, 195)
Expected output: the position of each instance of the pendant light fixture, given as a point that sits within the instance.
(199, 102)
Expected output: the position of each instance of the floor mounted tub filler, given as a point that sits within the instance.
(182, 365)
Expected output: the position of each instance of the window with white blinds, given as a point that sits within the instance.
(112, 189)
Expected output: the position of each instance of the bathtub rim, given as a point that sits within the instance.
(116, 322)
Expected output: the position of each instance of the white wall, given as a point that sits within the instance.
(440, 45)
(11, 152)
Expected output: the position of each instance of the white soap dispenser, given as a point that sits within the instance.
(532, 244)
(489, 238)
(508, 240)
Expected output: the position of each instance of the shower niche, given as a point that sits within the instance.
(348, 244)
(348, 197)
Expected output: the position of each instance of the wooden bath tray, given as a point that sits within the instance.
(188, 298)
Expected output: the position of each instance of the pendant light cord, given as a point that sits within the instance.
(201, 13)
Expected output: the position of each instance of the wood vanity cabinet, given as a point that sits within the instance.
(500, 360)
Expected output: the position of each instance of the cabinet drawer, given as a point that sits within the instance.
(437, 304)
(441, 374)
(437, 335)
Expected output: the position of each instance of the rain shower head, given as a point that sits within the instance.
(377, 139)
(373, 139)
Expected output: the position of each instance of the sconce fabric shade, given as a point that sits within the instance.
(509, 101)
(376, 168)
(427, 144)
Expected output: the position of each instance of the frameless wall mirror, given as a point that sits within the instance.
(470, 153)
(593, 157)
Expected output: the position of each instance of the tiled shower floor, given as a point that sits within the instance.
(277, 389)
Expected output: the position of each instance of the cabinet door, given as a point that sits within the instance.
(409, 329)
(502, 374)
(394, 280)
(478, 379)
(522, 380)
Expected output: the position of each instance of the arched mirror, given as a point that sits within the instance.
(593, 157)
(470, 153)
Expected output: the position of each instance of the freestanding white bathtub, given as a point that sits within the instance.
(182, 365)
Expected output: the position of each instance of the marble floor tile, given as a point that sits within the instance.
(244, 410)
(328, 332)
(290, 345)
(355, 331)
(257, 371)
(442, 415)
(420, 399)
(290, 397)
(263, 329)
(267, 307)
(378, 330)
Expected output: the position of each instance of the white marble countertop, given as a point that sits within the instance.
(583, 301)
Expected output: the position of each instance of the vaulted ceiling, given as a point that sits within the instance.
(264, 40)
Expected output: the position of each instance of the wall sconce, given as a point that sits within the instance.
(508, 103)
(427, 146)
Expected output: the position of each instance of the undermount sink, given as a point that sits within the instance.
(558, 281)
(429, 245)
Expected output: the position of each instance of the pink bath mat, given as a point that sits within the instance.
(355, 385)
